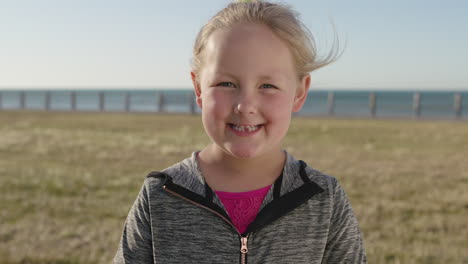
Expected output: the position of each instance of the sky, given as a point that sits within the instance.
(390, 45)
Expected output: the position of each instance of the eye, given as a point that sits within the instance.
(268, 86)
(226, 84)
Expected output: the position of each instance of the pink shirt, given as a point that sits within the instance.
(243, 207)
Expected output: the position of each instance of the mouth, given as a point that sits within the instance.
(245, 128)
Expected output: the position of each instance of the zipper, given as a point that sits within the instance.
(244, 249)
(243, 240)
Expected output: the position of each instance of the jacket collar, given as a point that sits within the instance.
(293, 188)
(187, 174)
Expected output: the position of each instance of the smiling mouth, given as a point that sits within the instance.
(245, 128)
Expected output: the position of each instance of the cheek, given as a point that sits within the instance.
(216, 107)
(279, 106)
(216, 101)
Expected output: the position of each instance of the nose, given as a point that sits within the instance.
(246, 104)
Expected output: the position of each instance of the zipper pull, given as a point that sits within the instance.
(244, 248)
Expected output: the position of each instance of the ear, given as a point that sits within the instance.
(196, 88)
(301, 93)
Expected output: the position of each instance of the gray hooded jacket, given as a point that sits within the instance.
(176, 218)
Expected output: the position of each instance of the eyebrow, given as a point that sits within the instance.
(262, 77)
(224, 74)
(266, 77)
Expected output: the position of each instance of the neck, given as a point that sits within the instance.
(227, 173)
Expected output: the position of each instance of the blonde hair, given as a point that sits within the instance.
(281, 19)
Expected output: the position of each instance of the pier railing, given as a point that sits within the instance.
(158, 99)
(161, 105)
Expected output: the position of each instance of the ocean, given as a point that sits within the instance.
(342, 103)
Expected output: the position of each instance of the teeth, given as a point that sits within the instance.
(245, 128)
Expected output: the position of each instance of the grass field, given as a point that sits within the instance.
(67, 180)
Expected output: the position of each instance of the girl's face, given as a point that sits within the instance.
(247, 90)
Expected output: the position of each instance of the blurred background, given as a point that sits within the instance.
(388, 119)
(147, 44)
(401, 59)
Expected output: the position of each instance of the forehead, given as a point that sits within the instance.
(248, 47)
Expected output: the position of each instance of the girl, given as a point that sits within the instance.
(242, 198)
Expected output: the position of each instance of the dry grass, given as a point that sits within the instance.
(67, 180)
